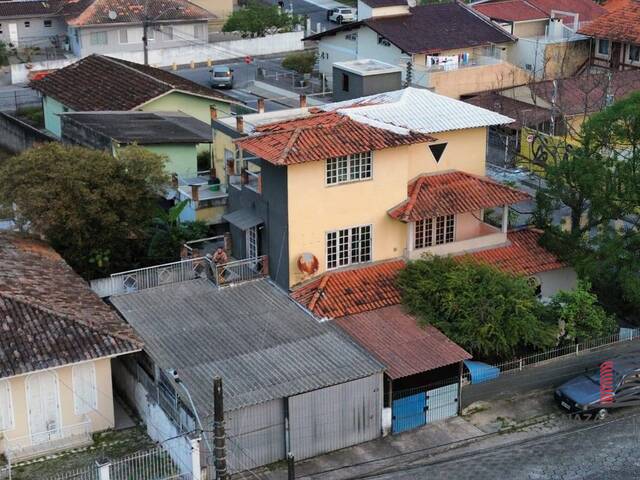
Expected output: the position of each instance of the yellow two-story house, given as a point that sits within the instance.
(394, 175)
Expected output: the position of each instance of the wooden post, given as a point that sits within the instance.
(219, 449)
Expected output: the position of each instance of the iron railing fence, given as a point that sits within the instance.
(241, 270)
(153, 464)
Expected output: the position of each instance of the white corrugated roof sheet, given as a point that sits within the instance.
(418, 110)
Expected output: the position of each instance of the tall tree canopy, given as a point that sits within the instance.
(92, 207)
(257, 19)
(599, 181)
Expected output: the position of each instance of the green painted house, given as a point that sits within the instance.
(101, 83)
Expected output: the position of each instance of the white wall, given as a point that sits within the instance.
(527, 51)
(553, 281)
(336, 48)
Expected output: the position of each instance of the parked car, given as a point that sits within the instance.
(341, 15)
(221, 76)
(619, 379)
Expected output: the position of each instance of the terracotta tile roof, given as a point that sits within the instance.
(98, 82)
(620, 24)
(400, 343)
(525, 255)
(321, 136)
(510, 10)
(431, 29)
(28, 8)
(451, 193)
(48, 314)
(587, 10)
(133, 11)
(350, 291)
(526, 114)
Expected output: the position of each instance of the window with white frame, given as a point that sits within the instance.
(348, 245)
(634, 53)
(98, 38)
(434, 231)
(85, 395)
(167, 32)
(603, 47)
(6, 406)
(350, 168)
(200, 31)
(124, 35)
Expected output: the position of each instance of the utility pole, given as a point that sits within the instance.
(219, 450)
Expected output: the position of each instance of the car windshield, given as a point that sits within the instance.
(345, 10)
(223, 73)
(595, 377)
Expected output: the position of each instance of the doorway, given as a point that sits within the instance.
(44, 407)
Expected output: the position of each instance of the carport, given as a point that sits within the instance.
(423, 366)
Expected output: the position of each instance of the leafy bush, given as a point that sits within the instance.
(256, 19)
(301, 62)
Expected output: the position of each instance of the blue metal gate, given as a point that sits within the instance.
(409, 412)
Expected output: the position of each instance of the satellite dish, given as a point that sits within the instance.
(308, 263)
(412, 3)
(112, 15)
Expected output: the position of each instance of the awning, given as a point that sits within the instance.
(243, 219)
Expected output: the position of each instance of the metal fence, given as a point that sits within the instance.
(241, 270)
(87, 473)
(538, 359)
(11, 101)
(154, 464)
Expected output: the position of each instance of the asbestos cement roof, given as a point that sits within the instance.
(417, 110)
(252, 335)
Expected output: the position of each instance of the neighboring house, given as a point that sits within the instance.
(101, 83)
(174, 135)
(447, 48)
(102, 26)
(392, 175)
(616, 36)
(557, 107)
(57, 344)
(290, 383)
(548, 43)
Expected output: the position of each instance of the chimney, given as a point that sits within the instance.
(213, 112)
(240, 124)
(303, 100)
(261, 105)
(195, 193)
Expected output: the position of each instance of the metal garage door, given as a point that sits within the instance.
(442, 403)
(335, 417)
(420, 406)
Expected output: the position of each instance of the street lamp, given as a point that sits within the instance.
(146, 22)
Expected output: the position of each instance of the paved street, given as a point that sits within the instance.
(597, 451)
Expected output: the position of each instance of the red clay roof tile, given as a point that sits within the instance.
(510, 10)
(620, 24)
(400, 343)
(321, 136)
(451, 193)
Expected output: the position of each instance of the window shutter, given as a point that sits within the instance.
(6, 410)
(84, 388)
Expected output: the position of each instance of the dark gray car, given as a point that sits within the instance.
(221, 76)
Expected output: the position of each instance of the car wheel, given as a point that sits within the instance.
(339, 19)
(602, 414)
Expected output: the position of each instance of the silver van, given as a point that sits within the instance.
(221, 76)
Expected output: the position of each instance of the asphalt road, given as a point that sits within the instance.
(593, 451)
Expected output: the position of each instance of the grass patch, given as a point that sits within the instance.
(32, 115)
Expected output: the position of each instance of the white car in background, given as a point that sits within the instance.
(341, 15)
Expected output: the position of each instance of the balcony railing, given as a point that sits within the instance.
(241, 270)
(44, 443)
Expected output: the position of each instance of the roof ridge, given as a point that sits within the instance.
(292, 140)
(318, 293)
(411, 201)
(72, 318)
(484, 19)
(129, 67)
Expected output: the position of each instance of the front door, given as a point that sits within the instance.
(44, 407)
(13, 34)
(252, 242)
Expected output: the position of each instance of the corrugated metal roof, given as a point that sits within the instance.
(252, 335)
(398, 341)
(243, 219)
(418, 110)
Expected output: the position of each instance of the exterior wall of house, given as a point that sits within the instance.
(193, 105)
(363, 85)
(336, 48)
(220, 8)
(566, 58)
(85, 42)
(534, 28)
(52, 108)
(365, 11)
(101, 419)
(368, 47)
(181, 158)
(31, 31)
(554, 281)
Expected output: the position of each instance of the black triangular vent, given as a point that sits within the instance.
(437, 150)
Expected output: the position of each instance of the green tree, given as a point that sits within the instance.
(4, 54)
(580, 315)
(492, 314)
(169, 234)
(599, 181)
(301, 62)
(257, 19)
(92, 207)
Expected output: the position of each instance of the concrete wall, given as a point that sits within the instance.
(361, 86)
(17, 136)
(193, 105)
(534, 28)
(101, 419)
(52, 108)
(554, 281)
(35, 34)
(181, 158)
(184, 34)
